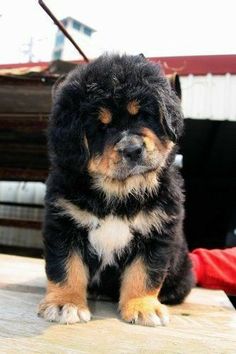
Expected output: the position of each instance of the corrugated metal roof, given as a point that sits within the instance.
(183, 65)
(198, 64)
(209, 96)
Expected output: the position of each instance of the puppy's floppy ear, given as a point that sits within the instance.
(67, 142)
(141, 55)
(171, 116)
(57, 85)
(175, 84)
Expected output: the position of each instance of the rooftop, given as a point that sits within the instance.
(183, 65)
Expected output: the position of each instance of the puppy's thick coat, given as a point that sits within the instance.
(114, 202)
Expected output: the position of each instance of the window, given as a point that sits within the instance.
(87, 31)
(76, 25)
(57, 54)
(65, 22)
(59, 39)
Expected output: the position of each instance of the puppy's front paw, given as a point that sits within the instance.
(146, 311)
(67, 313)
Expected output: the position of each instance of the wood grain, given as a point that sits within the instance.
(205, 323)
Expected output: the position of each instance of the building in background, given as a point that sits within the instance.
(80, 32)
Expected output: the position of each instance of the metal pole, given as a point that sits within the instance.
(62, 28)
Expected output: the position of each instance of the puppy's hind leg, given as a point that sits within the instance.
(176, 287)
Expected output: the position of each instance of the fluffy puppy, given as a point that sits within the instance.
(114, 201)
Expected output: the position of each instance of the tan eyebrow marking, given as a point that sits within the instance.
(104, 115)
(133, 107)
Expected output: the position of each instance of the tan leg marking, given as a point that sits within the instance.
(137, 304)
(67, 302)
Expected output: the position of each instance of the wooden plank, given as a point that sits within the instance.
(18, 121)
(27, 97)
(23, 174)
(205, 323)
(25, 224)
(22, 205)
(23, 148)
(22, 274)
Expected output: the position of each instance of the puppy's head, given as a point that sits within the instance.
(117, 118)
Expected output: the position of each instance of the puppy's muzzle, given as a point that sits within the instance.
(131, 148)
(132, 152)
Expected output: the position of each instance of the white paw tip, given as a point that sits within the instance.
(134, 319)
(84, 315)
(69, 314)
(165, 320)
(153, 320)
(51, 313)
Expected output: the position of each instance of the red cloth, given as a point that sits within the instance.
(215, 269)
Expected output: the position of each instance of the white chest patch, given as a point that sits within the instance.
(110, 238)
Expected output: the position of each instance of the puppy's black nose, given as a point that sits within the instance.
(132, 152)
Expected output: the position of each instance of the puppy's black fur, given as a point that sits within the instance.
(77, 136)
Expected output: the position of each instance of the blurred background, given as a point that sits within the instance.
(194, 39)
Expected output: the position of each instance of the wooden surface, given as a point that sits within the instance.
(205, 323)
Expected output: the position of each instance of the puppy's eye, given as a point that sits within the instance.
(112, 131)
(103, 127)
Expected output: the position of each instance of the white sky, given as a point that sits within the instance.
(153, 27)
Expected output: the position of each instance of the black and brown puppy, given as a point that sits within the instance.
(114, 203)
